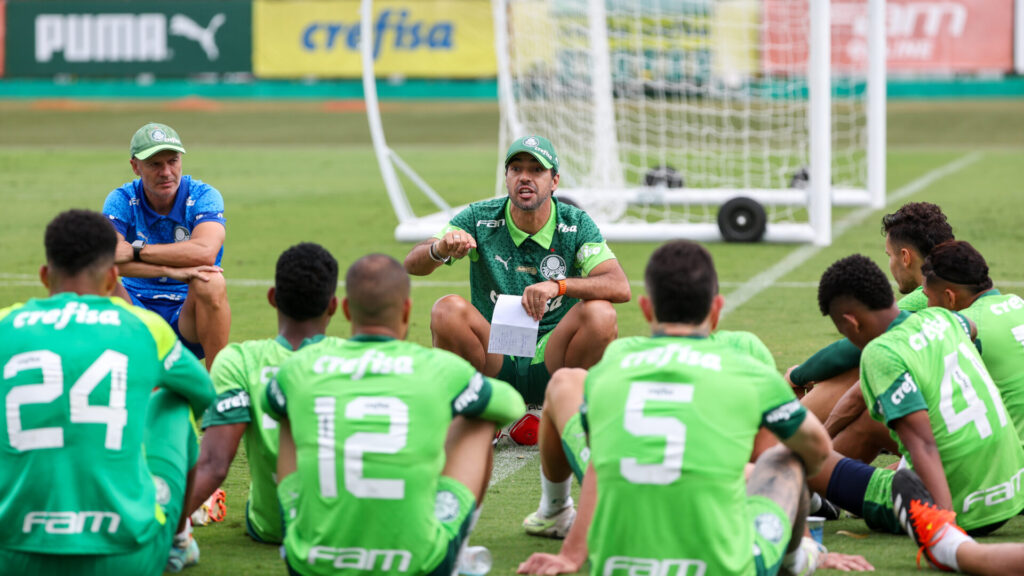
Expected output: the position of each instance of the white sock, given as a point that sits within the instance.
(554, 496)
(944, 551)
(181, 538)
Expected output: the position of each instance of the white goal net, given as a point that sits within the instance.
(663, 110)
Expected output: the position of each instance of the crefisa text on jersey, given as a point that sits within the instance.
(59, 318)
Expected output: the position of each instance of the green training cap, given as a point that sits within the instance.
(537, 146)
(154, 137)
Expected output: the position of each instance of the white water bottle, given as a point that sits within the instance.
(474, 561)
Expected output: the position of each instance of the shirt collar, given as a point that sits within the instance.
(306, 342)
(992, 292)
(370, 338)
(543, 237)
(903, 315)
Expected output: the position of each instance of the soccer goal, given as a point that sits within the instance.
(701, 119)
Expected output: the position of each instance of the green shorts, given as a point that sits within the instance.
(574, 444)
(529, 376)
(171, 447)
(772, 532)
(453, 507)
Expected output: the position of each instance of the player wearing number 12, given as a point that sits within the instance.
(384, 445)
(78, 492)
(671, 422)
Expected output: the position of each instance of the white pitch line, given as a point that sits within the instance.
(801, 255)
(508, 459)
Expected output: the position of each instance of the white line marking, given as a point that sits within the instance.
(798, 257)
(509, 458)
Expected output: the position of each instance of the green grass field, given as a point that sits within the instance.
(292, 172)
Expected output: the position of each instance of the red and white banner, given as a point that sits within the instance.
(929, 36)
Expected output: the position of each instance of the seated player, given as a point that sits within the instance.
(910, 234)
(94, 463)
(170, 242)
(956, 278)
(385, 445)
(526, 244)
(563, 444)
(681, 368)
(923, 378)
(303, 296)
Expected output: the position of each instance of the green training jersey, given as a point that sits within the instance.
(746, 342)
(926, 361)
(506, 260)
(1000, 322)
(240, 374)
(672, 422)
(369, 417)
(77, 375)
(913, 302)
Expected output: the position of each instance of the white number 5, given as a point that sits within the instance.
(674, 431)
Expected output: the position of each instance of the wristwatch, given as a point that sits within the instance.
(137, 249)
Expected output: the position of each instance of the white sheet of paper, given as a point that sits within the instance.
(513, 332)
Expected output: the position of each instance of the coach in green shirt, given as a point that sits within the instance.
(531, 245)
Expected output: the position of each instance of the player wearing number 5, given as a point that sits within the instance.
(385, 445)
(528, 244)
(93, 463)
(671, 421)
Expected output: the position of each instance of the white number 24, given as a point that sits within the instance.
(114, 415)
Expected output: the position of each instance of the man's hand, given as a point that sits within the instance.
(536, 296)
(550, 564)
(123, 252)
(798, 389)
(455, 244)
(845, 563)
(198, 272)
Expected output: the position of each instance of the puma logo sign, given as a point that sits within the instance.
(186, 27)
(499, 259)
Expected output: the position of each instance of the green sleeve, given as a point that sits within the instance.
(232, 405)
(890, 391)
(463, 222)
(488, 399)
(183, 374)
(274, 403)
(593, 250)
(913, 302)
(781, 412)
(832, 360)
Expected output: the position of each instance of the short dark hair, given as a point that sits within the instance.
(377, 286)
(305, 280)
(857, 277)
(918, 224)
(957, 262)
(79, 239)
(681, 281)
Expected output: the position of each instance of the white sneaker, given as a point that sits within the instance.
(556, 526)
(183, 554)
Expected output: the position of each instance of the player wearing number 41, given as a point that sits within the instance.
(93, 461)
(171, 238)
(305, 281)
(956, 277)
(528, 244)
(385, 445)
(671, 422)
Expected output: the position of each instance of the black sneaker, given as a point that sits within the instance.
(919, 516)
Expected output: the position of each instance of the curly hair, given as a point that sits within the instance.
(857, 277)
(79, 239)
(957, 262)
(918, 224)
(305, 280)
(681, 281)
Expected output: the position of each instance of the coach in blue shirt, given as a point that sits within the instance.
(171, 232)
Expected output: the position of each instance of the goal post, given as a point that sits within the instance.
(701, 119)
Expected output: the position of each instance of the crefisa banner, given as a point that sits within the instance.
(411, 38)
(111, 38)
